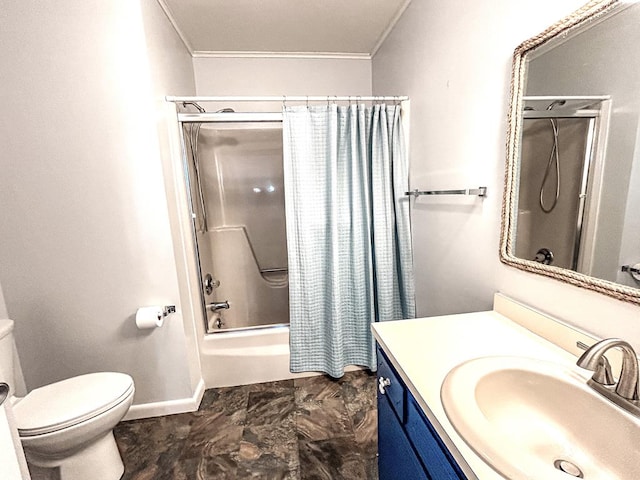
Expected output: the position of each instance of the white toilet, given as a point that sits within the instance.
(68, 425)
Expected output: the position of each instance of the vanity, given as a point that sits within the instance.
(496, 395)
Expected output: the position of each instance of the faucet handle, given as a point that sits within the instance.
(602, 374)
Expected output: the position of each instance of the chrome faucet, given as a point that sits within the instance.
(215, 306)
(626, 393)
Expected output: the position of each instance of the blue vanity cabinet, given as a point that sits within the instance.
(408, 446)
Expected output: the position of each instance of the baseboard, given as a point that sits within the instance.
(169, 407)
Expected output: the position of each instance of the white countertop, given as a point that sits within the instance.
(424, 350)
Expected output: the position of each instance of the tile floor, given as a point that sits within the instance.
(303, 429)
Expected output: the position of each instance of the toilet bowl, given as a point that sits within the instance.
(69, 425)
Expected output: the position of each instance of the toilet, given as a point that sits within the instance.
(68, 426)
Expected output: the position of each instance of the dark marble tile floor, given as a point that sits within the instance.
(312, 428)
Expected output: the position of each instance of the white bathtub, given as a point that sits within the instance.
(249, 356)
(244, 357)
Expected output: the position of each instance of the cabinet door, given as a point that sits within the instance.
(434, 454)
(396, 458)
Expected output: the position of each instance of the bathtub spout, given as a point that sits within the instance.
(215, 306)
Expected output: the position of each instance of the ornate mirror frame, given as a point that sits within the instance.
(577, 19)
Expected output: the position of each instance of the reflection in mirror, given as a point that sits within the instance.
(557, 170)
(573, 184)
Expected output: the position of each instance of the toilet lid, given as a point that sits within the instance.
(69, 402)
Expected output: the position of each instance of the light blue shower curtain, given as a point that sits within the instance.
(348, 231)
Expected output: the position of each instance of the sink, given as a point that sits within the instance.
(531, 419)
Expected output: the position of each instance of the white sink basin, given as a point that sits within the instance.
(531, 419)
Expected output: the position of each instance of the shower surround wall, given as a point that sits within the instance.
(245, 245)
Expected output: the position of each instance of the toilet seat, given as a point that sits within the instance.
(70, 402)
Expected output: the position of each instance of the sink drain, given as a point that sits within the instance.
(569, 468)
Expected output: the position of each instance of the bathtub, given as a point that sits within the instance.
(249, 356)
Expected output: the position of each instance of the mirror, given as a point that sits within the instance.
(572, 186)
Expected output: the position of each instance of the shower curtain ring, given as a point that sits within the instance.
(284, 101)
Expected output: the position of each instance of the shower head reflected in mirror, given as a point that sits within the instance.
(556, 103)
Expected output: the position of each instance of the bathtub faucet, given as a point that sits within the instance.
(215, 306)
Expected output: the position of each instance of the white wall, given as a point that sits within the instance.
(86, 237)
(281, 76)
(172, 74)
(454, 60)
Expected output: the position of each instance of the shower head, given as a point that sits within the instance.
(556, 103)
(200, 109)
(225, 110)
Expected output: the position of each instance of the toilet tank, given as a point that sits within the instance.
(10, 369)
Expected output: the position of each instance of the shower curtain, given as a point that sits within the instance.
(348, 231)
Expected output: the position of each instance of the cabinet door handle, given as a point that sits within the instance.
(382, 384)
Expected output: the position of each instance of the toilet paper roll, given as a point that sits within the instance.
(149, 317)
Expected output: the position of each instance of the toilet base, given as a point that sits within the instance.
(98, 461)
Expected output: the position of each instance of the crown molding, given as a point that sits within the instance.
(298, 55)
(169, 14)
(389, 28)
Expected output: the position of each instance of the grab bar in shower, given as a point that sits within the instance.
(274, 270)
(480, 192)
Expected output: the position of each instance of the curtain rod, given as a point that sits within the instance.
(290, 98)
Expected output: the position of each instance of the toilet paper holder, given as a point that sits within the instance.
(153, 316)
